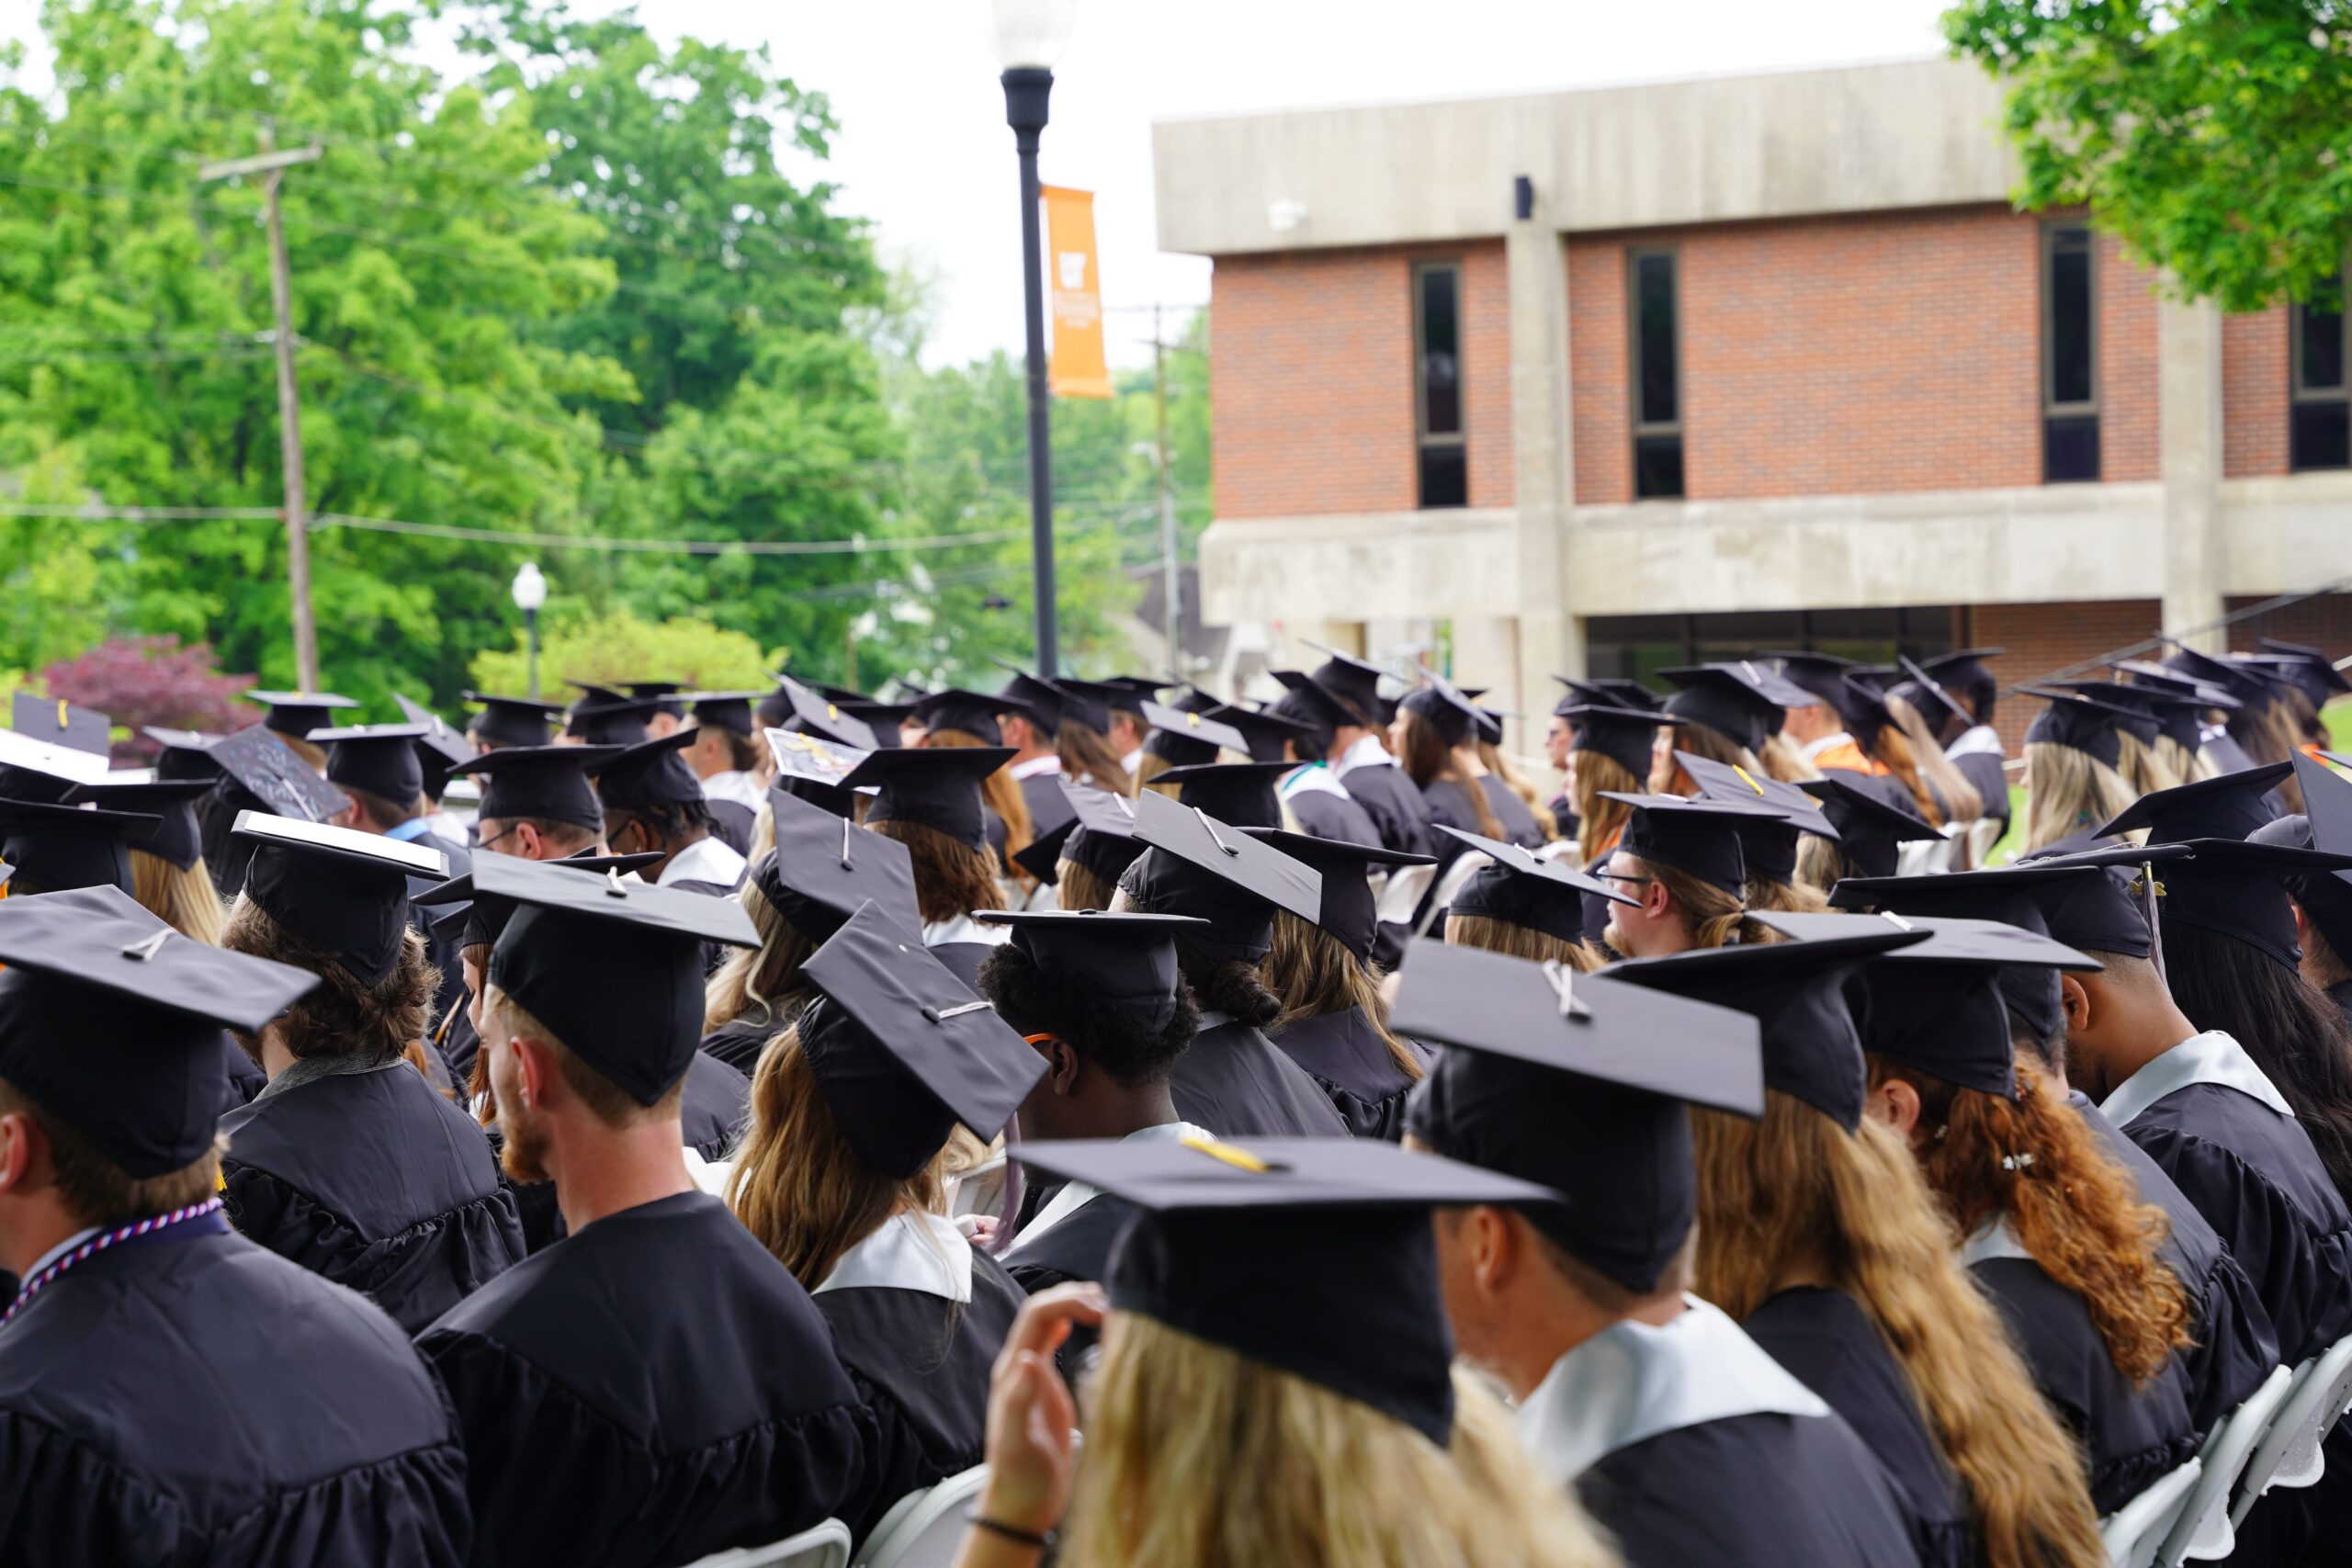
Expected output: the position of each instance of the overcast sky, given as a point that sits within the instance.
(924, 152)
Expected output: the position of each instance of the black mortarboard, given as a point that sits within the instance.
(257, 761)
(1821, 674)
(1732, 698)
(623, 721)
(1768, 843)
(1314, 1256)
(1194, 864)
(1625, 736)
(56, 848)
(475, 919)
(1240, 792)
(2309, 667)
(514, 721)
(1607, 691)
(901, 1049)
(1935, 703)
(1451, 714)
(1872, 828)
(1963, 668)
(1349, 912)
(666, 696)
(1126, 961)
(968, 713)
(1189, 737)
(824, 868)
(60, 723)
(438, 749)
(1283, 722)
(185, 754)
(1355, 682)
(2005, 896)
(377, 758)
(1524, 889)
(884, 719)
(2080, 722)
(1579, 1084)
(298, 713)
(937, 786)
(343, 891)
(1114, 696)
(614, 969)
(172, 801)
(730, 711)
(650, 775)
(2228, 807)
(2249, 684)
(1099, 834)
(1700, 837)
(111, 1021)
(1039, 702)
(813, 713)
(545, 782)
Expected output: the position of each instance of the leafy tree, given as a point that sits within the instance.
(2213, 136)
(140, 680)
(608, 649)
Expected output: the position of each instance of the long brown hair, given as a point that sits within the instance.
(952, 878)
(1423, 753)
(999, 792)
(1783, 762)
(1770, 897)
(1600, 821)
(1315, 975)
(1667, 776)
(184, 900)
(2038, 1165)
(1515, 941)
(1933, 771)
(1796, 1194)
(1892, 750)
(1087, 757)
(764, 980)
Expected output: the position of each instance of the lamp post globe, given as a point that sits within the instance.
(530, 590)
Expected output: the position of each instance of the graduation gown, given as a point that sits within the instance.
(1232, 1078)
(457, 1042)
(2235, 1345)
(1048, 809)
(1323, 809)
(1519, 826)
(714, 1107)
(375, 1181)
(1394, 804)
(242, 1078)
(918, 1315)
(2130, 1437)
(1828, 1344)
(963, 944)
(1350, 1063)
(738, 1041)
(1985, 773)
(1693, 1446)
(441, 951)
(731, 822)
(652, 1389)
(190, 1399)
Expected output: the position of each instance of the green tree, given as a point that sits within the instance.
(2214, 137)
(608, 649)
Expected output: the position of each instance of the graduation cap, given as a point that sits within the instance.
(2080, 721)
(1704, 837)
(884, 720)
(650, 775)
(730, 711)
(1348, 911)
(1099, 834)
(2177, 682)
(185, 754)
(1446, 706)
(513, 721)
(172, 801)
(1742, 700)
(2325, 896)
(1040, 702)
(1520, 888)
(667, 696)
(1927, 693)
(1579, 1083)
(1189, 736)
(2228, 807)
(2309, 667)
(1821, 674)
(2235, 881)
(824, 869)
(815, 714)
(1124, 961)
(1731, 784)
(1194, 864)
(1240, 792)
(901, 1049)
(1608, 691)
(937, 786)
(298, 713)
(594, 695)
(475, 919)
(59, 722)
(271, 775)
(2005, 895)
(1964, 669)
(343, 891)
(1314, 1256)
(34, 769)
(111, 1021)
(614, 969)
(1306, 702)
(623, 721)
(1355, 682)
(1872, 828)
(548, 782)
(438, 749)
(816, 770)
(55, 848)
(2250, 684)
(377, 758)
(1118, 694)
(967, 713)
(1267, 730)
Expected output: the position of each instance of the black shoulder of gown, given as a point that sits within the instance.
(241, 1075)
(1232, 1080)
(1828, 1344)
(1345, 1056)
(1758, 1491)
(200, 1401)
(1989, 779)
(649, 1391)
(457, 1042)
(1519, 826)
(738, 1041)
(375, 1181)
(964, 960)
(714, 1107)
(1076, 1248)
(731, 822)
(1339, 817)
(2130, 1437)
(1049, 808)
(1394, 805)
(921, 1363)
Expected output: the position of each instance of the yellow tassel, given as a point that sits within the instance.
(1230, 1154)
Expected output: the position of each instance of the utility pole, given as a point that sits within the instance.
(272, 164)
(1171, 580)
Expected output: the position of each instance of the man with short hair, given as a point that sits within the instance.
(727, 755)
(653, 804)
(1341, 696)
(1029, 719)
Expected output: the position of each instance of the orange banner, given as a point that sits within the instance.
(1076, 369)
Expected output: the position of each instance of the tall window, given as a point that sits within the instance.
(1437, 384)
(2069, 355)
(1657, 373)
(2318, 436)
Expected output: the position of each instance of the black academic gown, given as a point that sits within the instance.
(441, 951)
(1394, 805)
(458, 1043)
(1990, 780)
(921, 1363)
(714, 1107)
(199, 1401)
(962, 959)
(241, 1076)
(738, 1041)
(1338, 818)
(650, 1391)
(1076, 1248)
(376, 1182)
(1049, 808)
(1234, 1081)
(1350, 1063)
(1829, 1344)
(731, 823)
(1519, 826)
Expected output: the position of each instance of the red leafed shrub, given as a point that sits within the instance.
(138, 681)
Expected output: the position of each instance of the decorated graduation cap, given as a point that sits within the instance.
(816, 770)
(650, 775)
(825, 868)
(111, 1021)
(474, 918)
(55, 848)
(1353, 681)
(1194, 864)
(902, 1051)
(1189, 736)
(1703, 837)
(172, 801)
(513, 721)
(813, 713)
(1348, 911)
(967, 713)
(1124, 961)
(936, 786)
(60, 723)
(1314, 1256)
(1742, 700)
(298, 713)
(2080, 721)
(343, 891)
(548, 782)
(614, 969)
(1520, 888)
(1099, 835)
(1577, 1083)
(1872, 827)
(377, 758)
(1240, 792)
(730, 711)
(256, 767)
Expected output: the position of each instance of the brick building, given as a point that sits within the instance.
(1614, 379)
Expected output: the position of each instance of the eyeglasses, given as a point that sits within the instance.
(1620, 876)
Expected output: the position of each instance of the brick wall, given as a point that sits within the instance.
(1311, 380)
(2324, 623)
(2043, 638)
(2254, 395)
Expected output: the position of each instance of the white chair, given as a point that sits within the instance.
(2288, 1454)
(1457, 876)
(2132, 1533)
(924, 1528)
(2202, 1531)
(820, 1546)
(979, 1190)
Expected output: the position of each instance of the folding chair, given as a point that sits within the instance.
(924, 1528)
(1456, 877)
(820, 1546)
(2288, 1454)
(2133, 1531)
(979, 1190)
(2202, 1531)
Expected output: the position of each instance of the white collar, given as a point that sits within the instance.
(736, 785)
(1991, 1239)
(1632, 1381)
(963, 928)
(1035, 767)
(1311, 778)
(910, 1251)
(1076, 1195)
(60, 1250)
(1132, 762)
(1982, 738)
(2210, 1057)
(1813, 748)
(706, 860)
(1367, 753)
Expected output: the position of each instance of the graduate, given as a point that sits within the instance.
(1894, 714)
(1818, 729)
(652, 804)
(604, 717)
(2072, 750)
(1610, 755)
(170, 1391)
(954, 717)
(438, 749)
(1528, 906)
(1240, 792)
(1083, 734)
(2321, 899)
(1345, 693)
(844, 1176)
(167, 873)
(510, 721)
(1190, 729)
(655, 1386)
(1125, 724)
(1233, 1078)
(1434, 726)
(1770, 837)
(1298, 727)
(258, 772)
(1872, 827)
(1732, 714)
(537, 802)
(929, 800)
(727, 755)
(293, 715)
(1028, 713)
(56, 849)
(1081, 861)
(1685, 1439)
(1682, 866)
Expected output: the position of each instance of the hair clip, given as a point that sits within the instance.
(2016, 1162)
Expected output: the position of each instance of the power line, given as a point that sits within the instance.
(862, 546)
(143, 514)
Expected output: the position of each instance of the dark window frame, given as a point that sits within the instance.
(1426, 442)
(2064, 236)
(1641, 430)
(2307, 406)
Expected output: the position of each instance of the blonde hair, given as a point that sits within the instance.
(1933, 775)
(1822, 864)
(1077, 887)
(2142, 767)
(184, 900)
(1798, 897)
(766, 978)
(1514, 941)
(1716, 919)
(2067, 792)
(1196, 1454)
(1316, 974)
(2185, 763)
(1796, 1192)
(1600, 822)
(1783, 762)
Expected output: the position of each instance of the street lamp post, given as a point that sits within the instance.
(1030, 36)
(530, 593)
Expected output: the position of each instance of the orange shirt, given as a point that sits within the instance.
(1847, 756)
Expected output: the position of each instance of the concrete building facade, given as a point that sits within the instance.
(1612, 379)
